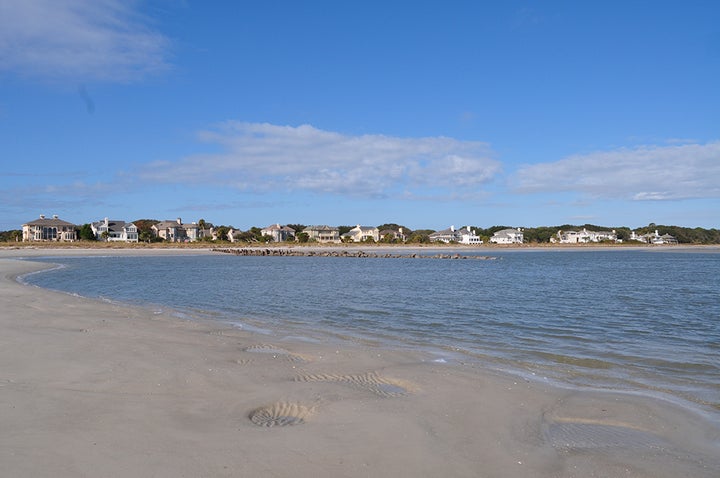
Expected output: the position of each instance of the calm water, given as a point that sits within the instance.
(633, 320)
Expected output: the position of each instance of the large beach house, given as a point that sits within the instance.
(279, 233)
(508, 236)
(362, 233)
(114, 231)
(44, 229)
(464, 235)
(323, 233)
(176, 231)
(584, 236)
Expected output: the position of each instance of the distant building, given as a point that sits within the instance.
(279, 233)
(508, 236)
(363, 233)
(44, 229)
(655, 238)
(171, 231)
(115, 231)
(176, 231)
(585, 236)
(464, 235)
(398, 234)
(323, 233)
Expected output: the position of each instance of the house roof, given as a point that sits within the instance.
(450, 231)
(321, 228)
(507, 232)
(167, 224)
(278, 227)
(43, 221)
(445, 232)
(115, 226)
(365, 228)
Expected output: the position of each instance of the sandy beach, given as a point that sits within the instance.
(89, 389)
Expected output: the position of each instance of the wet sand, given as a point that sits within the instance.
(89, 389)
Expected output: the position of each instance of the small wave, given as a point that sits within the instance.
(584, 362)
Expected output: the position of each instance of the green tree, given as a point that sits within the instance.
(145, 226)
(145, 236)
(222, 233)
(86, 233)
(421, 236)
(388, 239)
(11, 235)
(303, 237)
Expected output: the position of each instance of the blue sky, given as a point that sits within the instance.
(427, 114)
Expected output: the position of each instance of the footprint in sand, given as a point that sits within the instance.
(371, 381)
(281, 414)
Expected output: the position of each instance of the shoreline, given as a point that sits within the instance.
(85, 246)
(88, 388)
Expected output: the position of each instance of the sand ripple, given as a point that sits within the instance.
(384, 387)
(569, 434)
(280, 414)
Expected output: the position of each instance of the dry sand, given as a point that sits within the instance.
(92, 389)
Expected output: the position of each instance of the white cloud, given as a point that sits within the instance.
(642, 173)
(78, 39)
(265, 157)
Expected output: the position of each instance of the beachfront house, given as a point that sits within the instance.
(654, 238)
(323, 233)
(508, 236)
(176, 231)
(171, 231)
(362, 233)
(114, 231)
(584, 236)
(464, 235)
(279, 233)
(396, 235)
(45, 229)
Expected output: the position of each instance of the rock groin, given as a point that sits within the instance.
(357, 254)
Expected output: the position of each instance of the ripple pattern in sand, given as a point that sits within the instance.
(384, 387)
(280, 414)
(593, 434)
(276, 352)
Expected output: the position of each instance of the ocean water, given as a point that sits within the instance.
(633, 320)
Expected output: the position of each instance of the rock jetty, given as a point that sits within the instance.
(334, 253)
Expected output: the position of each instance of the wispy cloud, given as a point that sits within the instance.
(642, 173)
(79, 39)
(37, 197)
(265, 157)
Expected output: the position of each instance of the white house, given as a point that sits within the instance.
(585, 236)
(115, 231)
(469, 236)
(508, 236)
(363, 233)
(464, 235)
(655, 238)
(279, 233)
